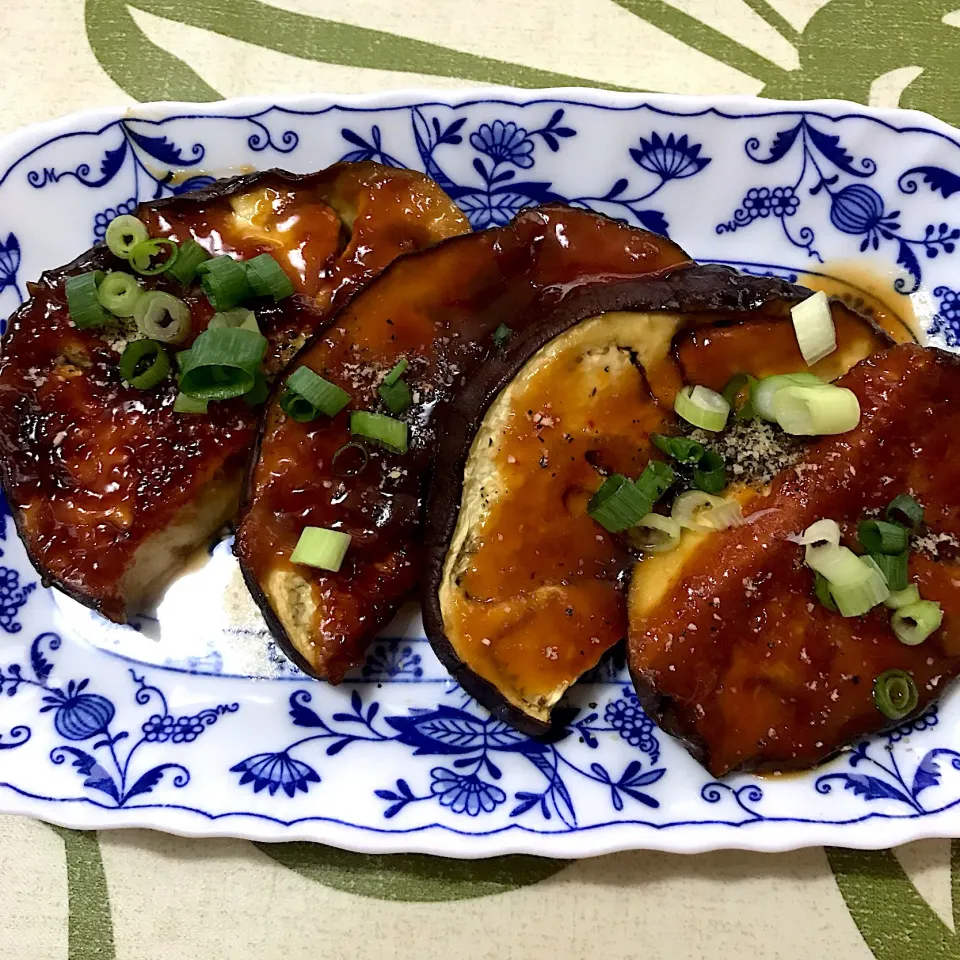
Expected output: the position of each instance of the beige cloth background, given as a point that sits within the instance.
(171, 898)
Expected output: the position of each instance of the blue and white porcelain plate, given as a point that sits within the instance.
(190, 721)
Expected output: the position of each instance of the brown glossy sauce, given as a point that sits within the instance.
(438, 311)
(94, 467)
(741, 658)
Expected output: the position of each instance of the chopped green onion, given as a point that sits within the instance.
(322, 548)
(258, 392)
(124, 233)
(893, 568)
(763, 393)
(239, 317)
(224, 281)
(821, 589)
(904, 508)
(856, 584)
(185, 404)
(657, 478)
(813, 325)
(705, 513)
(903, 598)
(162, 316)
(396, 396)
(895, 694)
(267, 279)
(119, 293)
(399, 369)
(189, 257)
(144, 364)
(221, 364)
(915, 622)
(348, 449)
(389, 433)
(309, 388)
(501, 335)
(823, 531)
(655, 533)
(710, 475)
(618, 504)
(681, 449)
(702, 407)
(880, 536)
(85, 308)
(816, 411)
(739, 394)
(142, 256)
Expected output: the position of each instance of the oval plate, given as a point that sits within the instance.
(191, 722)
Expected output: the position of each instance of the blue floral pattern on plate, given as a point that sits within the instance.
(188, 721)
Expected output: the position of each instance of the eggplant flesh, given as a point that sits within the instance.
(524, 592)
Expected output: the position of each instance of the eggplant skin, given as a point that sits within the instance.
(705, 293)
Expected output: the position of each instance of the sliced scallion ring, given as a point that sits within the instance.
(224, 281)
(893, 568)
(813, 325)
(144, 363)
(903, 598)
(706, 513)
(119, 293)
(703, 407)
(739, 394)
(342, 459)
(380, 429)
(185, 404)
(322, 395)
(189, 257)
(124, 233)
(821, 589)
(763, 392)
(681, 449)
(904, 509)
(399, 369)
(221, 364)
(396, 396)
(266, 277)
(710, 474)
(915, 622)
(816, 411)
(822, 531)
(84, 305)
(162, 316)
(143, 257)
(895, 694)
(657, 478)
(655, 533)
(856, 583)
(321, 548)
(618, 504)
(237, 317)
(881, 536)
(258, 392)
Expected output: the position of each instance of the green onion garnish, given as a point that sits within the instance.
(389, 433)
(915, 622)
(903, 598)
(124, 233)
(258, 392)
(706, 513)
(221, 364)
(224, 281)
(143, 256)
(895, 694)
(308, 395)
(710, 474)
(657, 478)
(618, 504)
(83, 303)
(399, 369)
(739, 394)
(319, 547)
(813, 325)
(680, 449)
(880, 536)
(348, 450)
(162, 316)
(816, 411)
(655, 533)
(266, 277)
(702, 407)
(501, 335)
(904, 509)
(185, 404)
(119, 293)
(189, 257)
(238, 317)
(396, 396)
(856, 583)
(821, 589)
(762, 394)
(894, 569)
(144, 364)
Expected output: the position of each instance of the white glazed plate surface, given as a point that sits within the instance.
(191, 721)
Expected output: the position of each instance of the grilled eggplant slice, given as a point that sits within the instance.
(109, 488)
(438, 310)
(524, 592)
(728, 649)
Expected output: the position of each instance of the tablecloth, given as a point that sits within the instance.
(135, 895)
